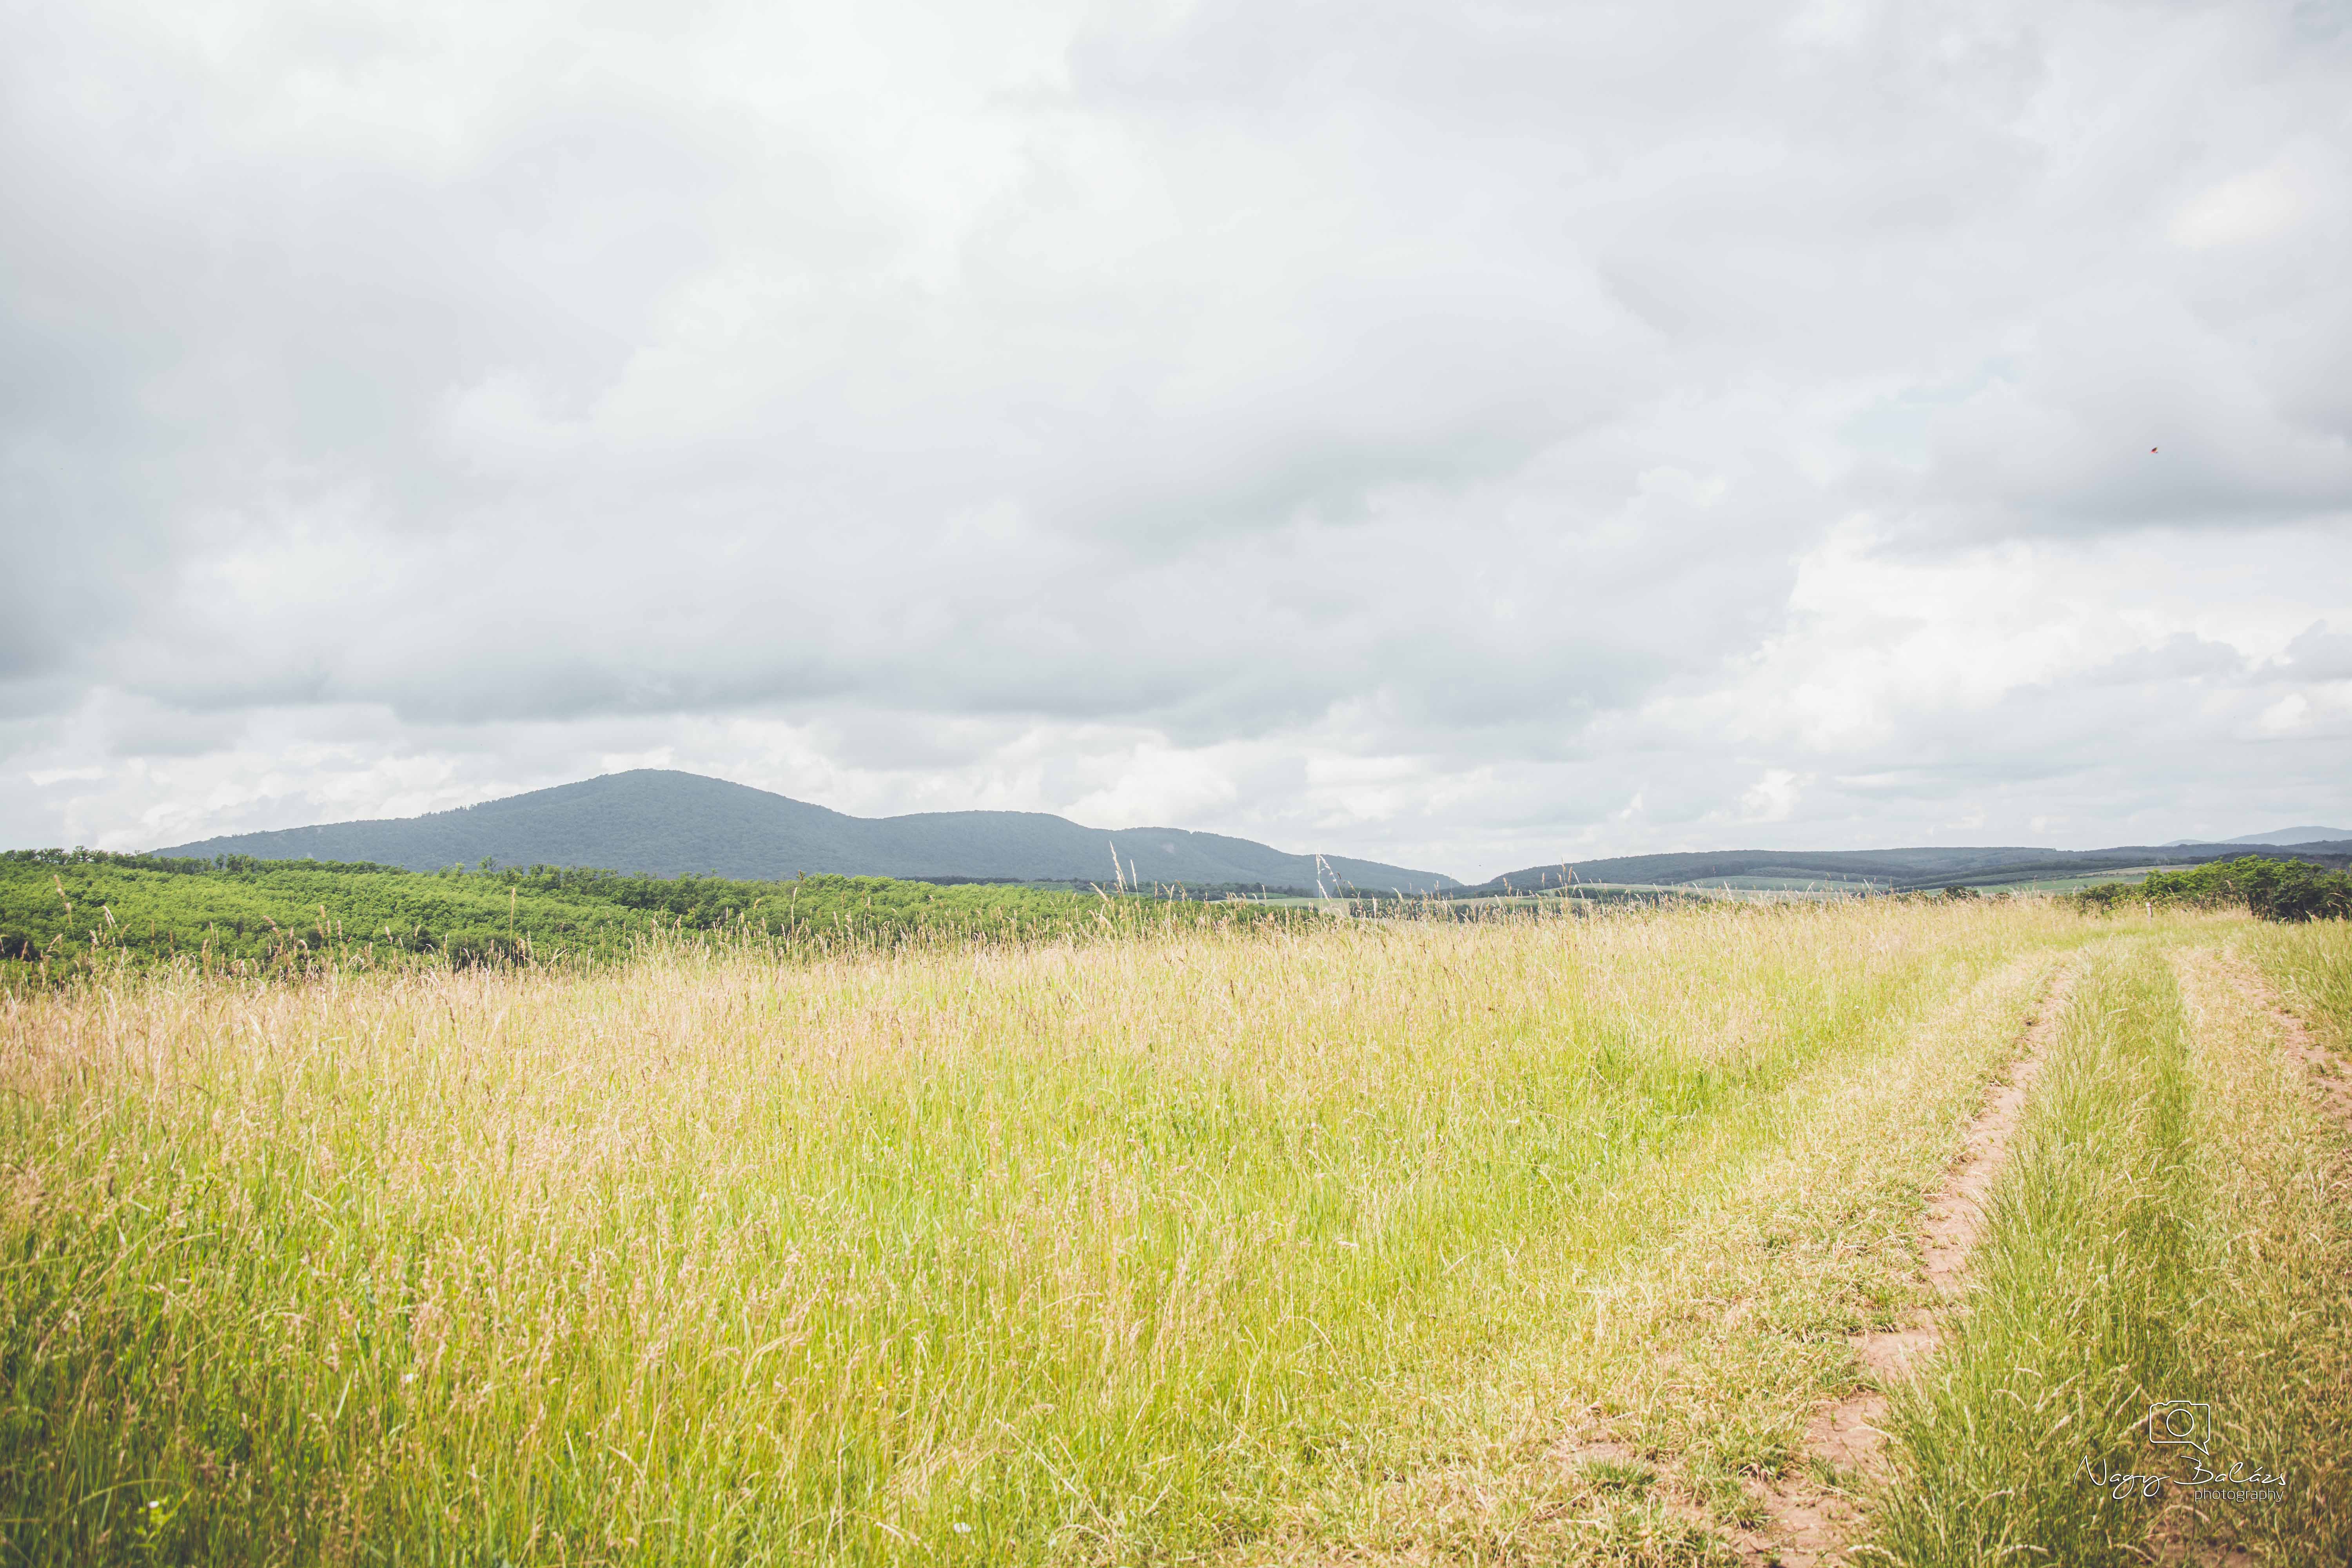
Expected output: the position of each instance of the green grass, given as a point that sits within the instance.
(2127, 879)
(1147, 1249)
(1507, 1242)
(75, 913)
(2167, 1232)
(2312, 966)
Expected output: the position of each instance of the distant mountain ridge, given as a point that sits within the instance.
(2293, 836)
(1897, 869)
(669, 823)
(2275, 836)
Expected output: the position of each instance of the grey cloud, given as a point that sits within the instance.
(1404, 414)
(2183, 657)
(2320, 653)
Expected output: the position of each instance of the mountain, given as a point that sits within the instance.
(1891, 868)
(668, 822)
(2295, 836)
(2277, 835)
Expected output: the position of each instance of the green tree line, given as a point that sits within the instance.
(2272, 889)
(69, 911)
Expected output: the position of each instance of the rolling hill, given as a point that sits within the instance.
(1894, 869)
(666, 822)
(2295, 836)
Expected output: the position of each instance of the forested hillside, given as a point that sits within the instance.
(1889, 870)
(668, 823)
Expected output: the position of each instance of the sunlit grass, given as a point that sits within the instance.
(1182, 1245)
(2172, 1229)
(2312, 963)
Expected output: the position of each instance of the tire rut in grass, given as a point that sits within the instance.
(1807, 1521)
(2330, 1076)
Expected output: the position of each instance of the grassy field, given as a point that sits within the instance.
(2073, 884)
(69, 913)
(1526, 1240)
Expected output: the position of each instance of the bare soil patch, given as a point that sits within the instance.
(2330, 1074)
(2178, 1542)
(1811, 1511)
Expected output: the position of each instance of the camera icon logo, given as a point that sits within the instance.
(2188, 1422)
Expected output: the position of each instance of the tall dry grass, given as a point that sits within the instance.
(1091, 1252)
(2172, 1228)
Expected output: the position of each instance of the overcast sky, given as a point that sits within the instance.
(1461, 434)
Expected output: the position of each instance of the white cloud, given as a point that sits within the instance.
(1772, 797)
(2288, 714)
(2251, 207)
(1417, 436)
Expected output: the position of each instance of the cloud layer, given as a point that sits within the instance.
(1459, 435)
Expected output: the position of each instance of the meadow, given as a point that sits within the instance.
(66, 913)
(1544, 1238)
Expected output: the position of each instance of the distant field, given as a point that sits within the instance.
(1735, 888)
(75, 912)
(2075, 884)
(1831, 888)
(1536, 1239)
(1816, 885)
